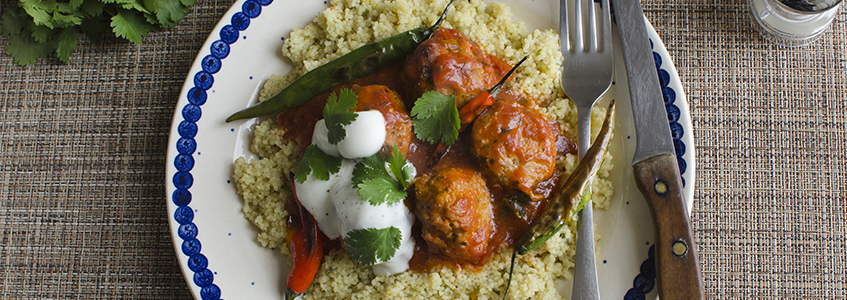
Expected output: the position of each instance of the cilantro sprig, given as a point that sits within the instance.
(436, 118)
(339, 112)
(376, 185)
(372, 245)
(314, 160)
(38, 28)
(401, 171)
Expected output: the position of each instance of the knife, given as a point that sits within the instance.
(654, 164)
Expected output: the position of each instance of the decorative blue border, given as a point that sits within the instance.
(186, 145)
(646, 280)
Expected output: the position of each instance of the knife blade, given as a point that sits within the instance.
(654, 163)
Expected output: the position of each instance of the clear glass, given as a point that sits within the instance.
(792, 23)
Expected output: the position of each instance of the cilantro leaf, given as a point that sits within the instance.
(381, 190)
(14, 21)
(25, 49)
(130, 25)
(168, 12)
(92, 8)
(401, 171)
(370, 167)
(315, 160)
(339, 112)
(436, 118)
(75, 4)
(37, 28)
(130, 5)
(68, 41)
(64, 16)
(371, 245)
(376, 185)
(41, 11)
(41, 34)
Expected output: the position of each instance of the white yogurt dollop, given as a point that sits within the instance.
(355, 213)
(336, 204)
(365, 136)
(314, 196)
(320, 138)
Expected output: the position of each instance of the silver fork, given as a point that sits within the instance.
(587, 75)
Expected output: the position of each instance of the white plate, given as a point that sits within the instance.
(217, 247)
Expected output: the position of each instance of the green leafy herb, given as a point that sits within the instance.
(401, 171)
(339, 112)
(436, 118)
(371, 245)
(376, 185)
(38, 28)
(130, 24)
(167, 12)
(314, 160)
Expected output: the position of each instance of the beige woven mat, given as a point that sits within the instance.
(82, 155)
(769, 128)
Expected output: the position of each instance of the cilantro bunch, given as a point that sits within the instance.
(38, 28)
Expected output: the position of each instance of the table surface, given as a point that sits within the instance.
(83, 145)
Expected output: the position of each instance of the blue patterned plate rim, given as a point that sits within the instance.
(185, 176)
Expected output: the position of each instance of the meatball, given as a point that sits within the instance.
(454, 206)
(398, 124)
(452, 64)
(517, 143)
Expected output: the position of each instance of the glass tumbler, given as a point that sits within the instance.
(792, 23)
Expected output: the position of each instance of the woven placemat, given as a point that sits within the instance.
(82, 155)
(769, 128)
(82, 167)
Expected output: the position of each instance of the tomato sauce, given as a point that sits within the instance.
(508, 227)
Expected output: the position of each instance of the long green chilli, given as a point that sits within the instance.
(356, 64)
(560, 209)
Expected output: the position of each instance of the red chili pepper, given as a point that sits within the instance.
(306, 247)
(474, 108)
(484, 100)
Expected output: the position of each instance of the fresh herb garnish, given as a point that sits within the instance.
(38, 28)
(314, 160)
(374, 182)
(401, 171)
(368, 246)
(436, 118)
(339, 112)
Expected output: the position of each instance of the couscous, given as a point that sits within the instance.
(348, 24)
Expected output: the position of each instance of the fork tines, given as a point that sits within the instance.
(574, 12)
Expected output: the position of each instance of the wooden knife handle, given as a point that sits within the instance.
(677, 270)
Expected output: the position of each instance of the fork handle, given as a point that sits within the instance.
(585, 271)
(585, 284)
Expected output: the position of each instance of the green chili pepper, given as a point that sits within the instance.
(560, 209)
(356, 64)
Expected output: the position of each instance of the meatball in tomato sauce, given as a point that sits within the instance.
(398, 124)
(452, 64)
(299, 123)
(454, 206)
(517, 143)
